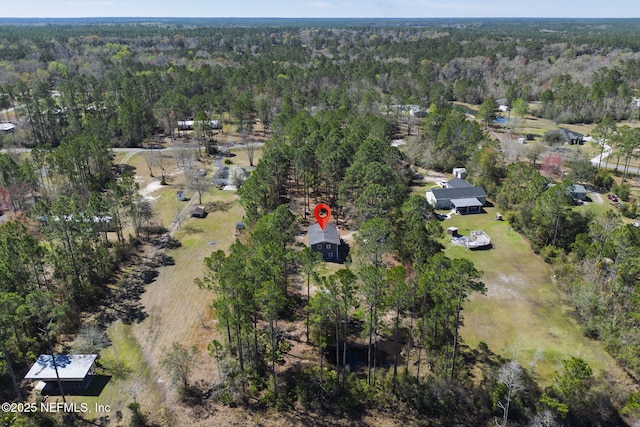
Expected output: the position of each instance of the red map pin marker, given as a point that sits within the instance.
(322, 213)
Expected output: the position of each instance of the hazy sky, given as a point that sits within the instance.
(321, 8)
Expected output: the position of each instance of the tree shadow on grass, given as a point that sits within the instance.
(219, 206)
(190, 229)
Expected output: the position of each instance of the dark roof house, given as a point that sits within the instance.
(458, 183)
(326, 241)
(222, 176)
(564, 136)
(459, 195)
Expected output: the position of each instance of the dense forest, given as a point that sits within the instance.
(330, 96)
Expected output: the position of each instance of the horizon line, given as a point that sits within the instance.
(322, 18)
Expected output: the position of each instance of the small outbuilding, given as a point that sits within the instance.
(326, 241)
(181, 196)
(452, 231)
(7, 127)
(199, 211)
(75, 371)
(460, 173)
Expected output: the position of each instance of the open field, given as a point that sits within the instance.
(522, 311)
(176, 309)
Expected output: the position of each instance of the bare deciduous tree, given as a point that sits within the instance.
(537, 357)
(185, 158)
(511, 376)
(237, 176)
(149, 159)
(543, 419)
(250, 146)
(197, 183)
(535, 151)
(91, 339)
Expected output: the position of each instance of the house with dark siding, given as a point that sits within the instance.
(326, 241)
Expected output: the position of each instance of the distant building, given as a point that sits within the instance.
(75, 371)
(326, 241)
(189, 124)
(564, 136)
(7, 127)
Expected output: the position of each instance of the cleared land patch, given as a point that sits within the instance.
(522, 312)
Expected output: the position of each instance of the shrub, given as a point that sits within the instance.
(551, 254)
(138, 419)
(629, 210)
(623, 191)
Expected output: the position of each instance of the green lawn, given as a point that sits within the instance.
(522, 311)
(124, 369)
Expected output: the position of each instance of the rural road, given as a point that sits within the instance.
(600, 157)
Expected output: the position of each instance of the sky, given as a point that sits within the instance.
(321, 8)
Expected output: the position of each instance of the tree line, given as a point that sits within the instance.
(57, 256)
(129, 82)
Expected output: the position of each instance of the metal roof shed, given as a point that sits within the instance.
(74, 370)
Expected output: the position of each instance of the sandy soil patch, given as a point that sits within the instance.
(152, 187)
(597, 198)
(506, 287)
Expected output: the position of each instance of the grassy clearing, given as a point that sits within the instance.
(241, 158)
(125, 367)
(177, 310)
(522, 311)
